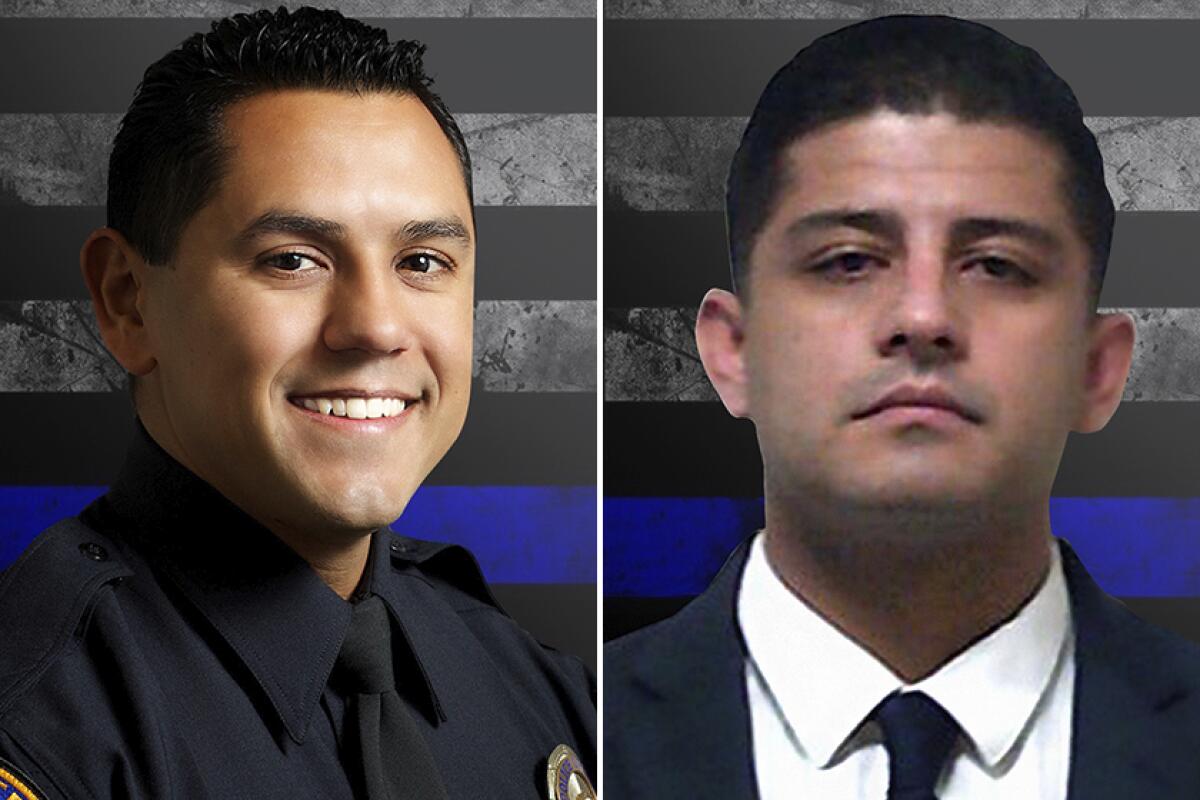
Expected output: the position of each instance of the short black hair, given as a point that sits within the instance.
(915, 65)
(169, 153)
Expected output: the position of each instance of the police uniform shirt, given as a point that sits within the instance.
(165, 645)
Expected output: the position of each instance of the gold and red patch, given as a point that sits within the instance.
(16, 785)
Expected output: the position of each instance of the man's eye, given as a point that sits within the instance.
(1001, 269)
(850, 264)
(424, 263)
(290, 261)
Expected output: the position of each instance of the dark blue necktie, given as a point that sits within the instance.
(918, 735)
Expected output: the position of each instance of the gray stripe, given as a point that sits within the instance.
(679, 163)
(862, 9)
(51, 345)
(353, 8)
(543, 159)
(526, 346)
(542, 346)
(650, 355)
(521, 160)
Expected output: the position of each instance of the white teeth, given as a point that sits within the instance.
(356, 407)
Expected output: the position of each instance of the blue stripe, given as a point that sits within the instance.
(671, 547)
(520, 534)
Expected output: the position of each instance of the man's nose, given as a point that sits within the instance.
(369, 311)
(922, 320)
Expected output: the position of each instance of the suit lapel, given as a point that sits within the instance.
(696, 674)
(1129, 704)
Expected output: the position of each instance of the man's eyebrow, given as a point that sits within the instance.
(438, 228)
(885, 224)
(966, 231)
(276, 221)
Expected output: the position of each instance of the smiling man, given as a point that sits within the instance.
(919, 228)
(287, 275)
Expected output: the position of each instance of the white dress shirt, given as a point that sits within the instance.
(810, 688)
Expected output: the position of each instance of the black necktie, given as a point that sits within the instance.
(918, 735)
(381, 733)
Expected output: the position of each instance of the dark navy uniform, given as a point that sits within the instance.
(165, 645)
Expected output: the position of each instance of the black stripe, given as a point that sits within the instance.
(561, 615)
(697, 450)
(479, 65)
(509, 440)
(1178, 614)
(525, 252)
(718, 68)
(671, 258)
(626, 614)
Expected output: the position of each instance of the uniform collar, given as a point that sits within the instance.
(269, 606)
(826, 699)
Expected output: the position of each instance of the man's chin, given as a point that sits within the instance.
(364, 517)
(927, 510)
(347, 511)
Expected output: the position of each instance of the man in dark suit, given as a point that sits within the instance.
(919, 228)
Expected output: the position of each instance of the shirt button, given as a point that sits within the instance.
(400, 547)
(93, 551)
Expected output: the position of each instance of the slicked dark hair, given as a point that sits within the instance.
(169, 154)
(915, 65)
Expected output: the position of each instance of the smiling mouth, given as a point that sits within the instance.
(355, 407)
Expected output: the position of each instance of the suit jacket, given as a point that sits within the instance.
(677, 724)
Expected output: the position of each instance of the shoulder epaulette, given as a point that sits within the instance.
(44, 595)
(452, 563)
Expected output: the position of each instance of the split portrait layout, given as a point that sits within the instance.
(568, 399)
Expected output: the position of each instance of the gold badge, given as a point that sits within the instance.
(565, 778)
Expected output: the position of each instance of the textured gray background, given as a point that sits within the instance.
(204, 9)
(863, 9)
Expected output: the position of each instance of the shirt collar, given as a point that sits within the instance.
(268, 605)
(825, 699)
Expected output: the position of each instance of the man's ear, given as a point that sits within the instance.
(114, 271)
(1110, 352)
(719, 338)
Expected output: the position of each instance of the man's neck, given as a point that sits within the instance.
(339, 561)
(913, 596)
(340, 567)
